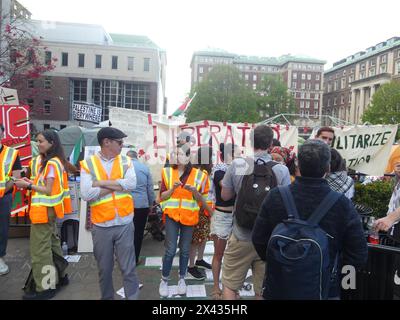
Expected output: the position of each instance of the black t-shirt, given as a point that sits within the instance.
(218, 176)
(17, 165)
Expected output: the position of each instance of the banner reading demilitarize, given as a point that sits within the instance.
(366, 149)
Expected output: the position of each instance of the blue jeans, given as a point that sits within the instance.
(173, 229)
(5, 210)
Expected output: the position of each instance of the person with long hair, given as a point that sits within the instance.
(201, 232)
(181, 197)
(49, 200)
(222, 218)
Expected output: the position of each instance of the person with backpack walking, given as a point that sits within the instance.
(303, 231)
(250, 180)
(107, 181)
(49, 200)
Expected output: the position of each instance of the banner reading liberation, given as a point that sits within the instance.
(366, 149)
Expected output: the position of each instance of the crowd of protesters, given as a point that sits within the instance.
(240, 203)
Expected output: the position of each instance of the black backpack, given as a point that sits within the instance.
(254, 189)
(69, 234)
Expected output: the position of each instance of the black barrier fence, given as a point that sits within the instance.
(380, 279)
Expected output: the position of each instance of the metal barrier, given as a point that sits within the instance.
(380, 279)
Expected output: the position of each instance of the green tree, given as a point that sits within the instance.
(274, 97)
(385, 105)
(223, 96)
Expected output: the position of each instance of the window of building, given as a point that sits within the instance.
(317, 86)
(98, 61)
(303, 85)
(47, 57)
(329, 87)
(294, 75)
(303, 76)
(308, 95)
(47, 106)
(81, 60)
(371, 72)
(64, 59)
(308, 76)
(301, 104)
(372, 62)
(294, 85)
(301, 113)
(201, 70)
(349, 98)
(30, 84)
(398, 67)
(146, 64)
(308, 86)
(351, 78)
(307, 113)
(383, 58)
(342, 99)
(307, 104)
(130, 63)
(382, 68)
(316, 96)
(316, 113)
(316, 104)
(254, 77)
(302, 95)
(246, 76)
(352, 70)
(254, 86)
(362, 74)
(334, 101)
(47, 83)
(30, 103)
(329, 102)
(114, 62)
(80, 90)
(344, 72)
(335, 85)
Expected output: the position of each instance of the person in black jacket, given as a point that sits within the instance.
(342, 222)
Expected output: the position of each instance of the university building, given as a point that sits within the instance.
(303, 76)
(350, 85)
(93, 66)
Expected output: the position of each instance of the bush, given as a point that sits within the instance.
(375, 195)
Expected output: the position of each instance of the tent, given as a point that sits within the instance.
(75, 138)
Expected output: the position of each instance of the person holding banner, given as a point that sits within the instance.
(393, 214)
(10, 168)
(50, 199)
(182, 196)
(107, 181)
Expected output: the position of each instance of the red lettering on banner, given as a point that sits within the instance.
(229, 134)
(244, 134)
(214, 134)
(155, 142)
(199, 140)
(277, 131)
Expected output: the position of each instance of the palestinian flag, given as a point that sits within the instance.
(9, 98)
(76, 151)
(184, 106)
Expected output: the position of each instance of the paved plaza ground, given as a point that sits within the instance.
(84, 284)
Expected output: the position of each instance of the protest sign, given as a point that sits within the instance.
(366, 149)
(88, 112)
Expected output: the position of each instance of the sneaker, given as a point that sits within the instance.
(4, 269)
(181, 287)
(203, 264)
(44, 295)
(196, 273)
(163, 290)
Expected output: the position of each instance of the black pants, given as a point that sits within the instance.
(139, 219)
(5, 210)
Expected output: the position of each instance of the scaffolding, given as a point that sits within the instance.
(322, 120)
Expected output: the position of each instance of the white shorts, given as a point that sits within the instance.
(221, 224)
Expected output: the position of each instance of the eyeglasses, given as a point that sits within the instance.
(120, 142)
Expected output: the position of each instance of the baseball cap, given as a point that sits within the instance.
(110, 133)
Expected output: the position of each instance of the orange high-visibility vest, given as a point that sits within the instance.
(181, 206)
(34, 166)
(7, 159)
(59, 199)
(105, 208)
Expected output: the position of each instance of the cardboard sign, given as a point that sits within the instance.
(88, 112)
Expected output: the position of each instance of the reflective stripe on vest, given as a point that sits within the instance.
(7, 159)
(104, 209)
(35, 166)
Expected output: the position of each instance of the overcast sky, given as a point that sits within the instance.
(327, 30)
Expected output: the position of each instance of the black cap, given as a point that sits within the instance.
(110, 133)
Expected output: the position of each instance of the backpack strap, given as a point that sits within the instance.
(288, 201)
(324, 207)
